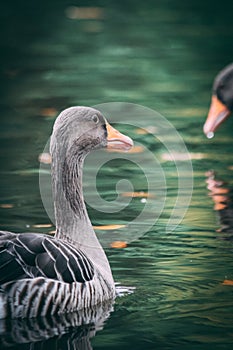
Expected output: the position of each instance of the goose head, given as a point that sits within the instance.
(83, 129)
(222, 101)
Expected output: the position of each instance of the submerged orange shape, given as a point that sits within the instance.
(45, 158)
(140, 131)
(6, 205)
(227, 282)
(140, 194)
(108, 227)
(85, 12)
(42, 225)
(118, 244)
(49, 112)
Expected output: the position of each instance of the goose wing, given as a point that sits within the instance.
(29, 255)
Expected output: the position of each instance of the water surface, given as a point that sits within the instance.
(162, 55)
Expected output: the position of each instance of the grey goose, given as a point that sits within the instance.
(41, 274)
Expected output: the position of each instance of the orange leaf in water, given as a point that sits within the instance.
(42, 225)
(148, 130)
(118, 244)
(75, 12)
(49, 112)
(6, 205)
(108, 227)
(140, 194)
(45, 158)
(227, 282)
(140, 131)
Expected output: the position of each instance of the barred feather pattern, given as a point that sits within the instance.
(40, 296)
(68, 330)
(42, 275)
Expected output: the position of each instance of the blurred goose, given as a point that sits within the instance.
(222, 101)
(40, 274)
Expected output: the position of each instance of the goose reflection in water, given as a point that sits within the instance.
(222, 198)
(67, 331)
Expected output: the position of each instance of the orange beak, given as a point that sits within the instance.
(218, 112)
(116, 140)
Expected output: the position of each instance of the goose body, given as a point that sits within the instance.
(41, 274)
(222, 100)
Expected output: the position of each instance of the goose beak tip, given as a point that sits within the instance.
(118, 141)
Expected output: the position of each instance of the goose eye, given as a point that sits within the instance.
(95, 119)
(221, 86)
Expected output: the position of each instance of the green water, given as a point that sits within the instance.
(162, 55)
